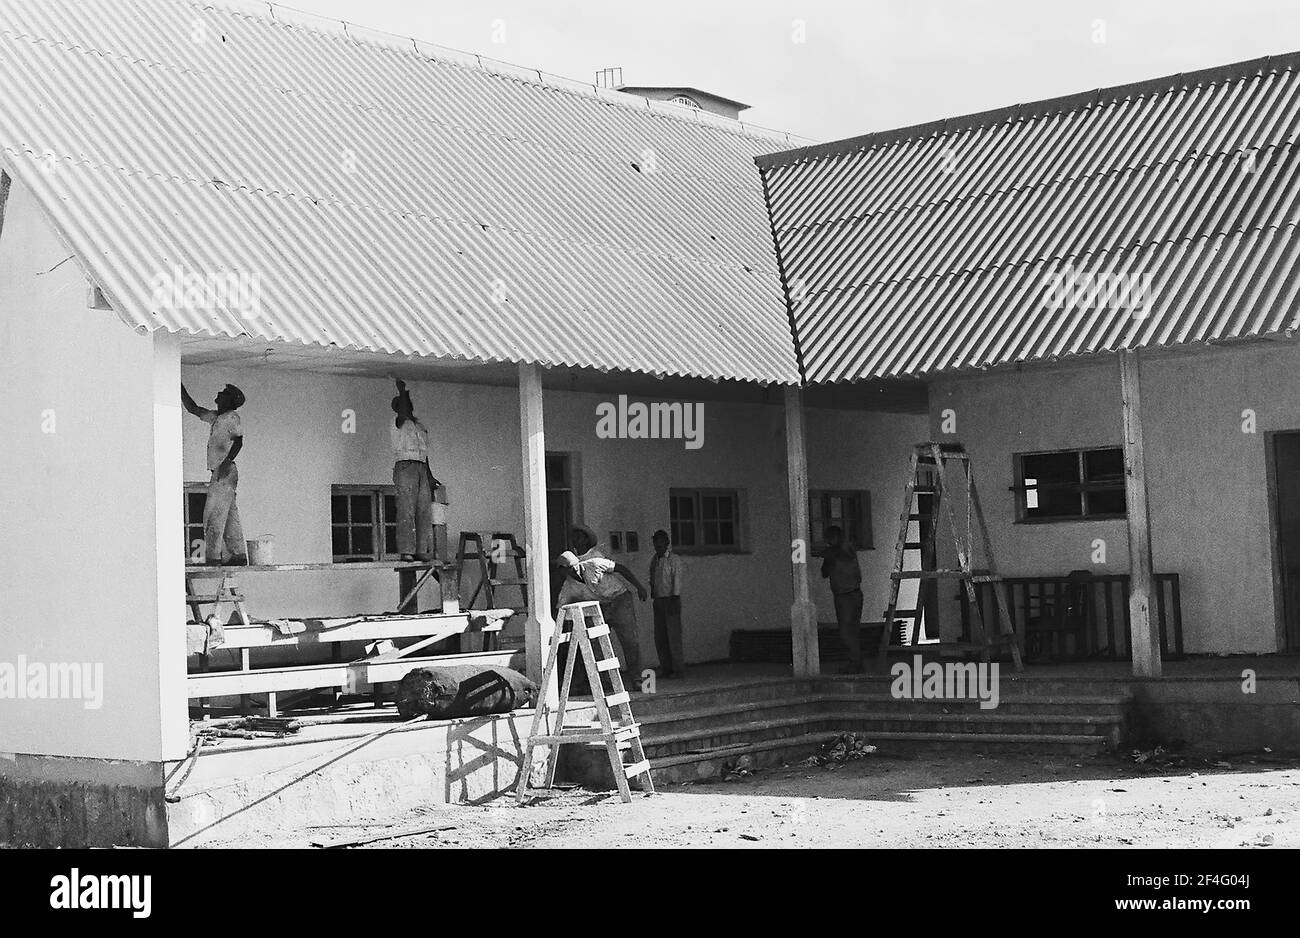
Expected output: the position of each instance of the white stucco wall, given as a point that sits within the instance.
(78, 571)
(295, 451)
(1210, 514)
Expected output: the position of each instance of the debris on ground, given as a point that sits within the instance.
(1166, 758)
(253, 727)
(742, 767)
(847, 747)
(387, 832)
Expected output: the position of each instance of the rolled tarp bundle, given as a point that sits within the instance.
(463, 690)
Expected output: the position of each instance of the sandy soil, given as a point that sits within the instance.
(881, 801)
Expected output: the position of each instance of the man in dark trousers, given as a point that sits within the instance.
(413, 479)
(666, 595)
(221, 527)
(840, 566)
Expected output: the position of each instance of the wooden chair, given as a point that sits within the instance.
(1060, 628)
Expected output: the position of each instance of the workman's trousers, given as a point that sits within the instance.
(620, 615)
(414, 508)
(668, 635)
(848, 613)
(221, 516)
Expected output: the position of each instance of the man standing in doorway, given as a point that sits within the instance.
(666, 593)
(221, 527)
(840, 566)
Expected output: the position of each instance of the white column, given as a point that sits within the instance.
(803, 614)
(169, 522)
(1144, 629)
(540, 627)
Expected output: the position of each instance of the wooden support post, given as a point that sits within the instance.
(803, 613)
(1144, 635)
(540, 625)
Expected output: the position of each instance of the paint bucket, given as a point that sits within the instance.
(261, 551)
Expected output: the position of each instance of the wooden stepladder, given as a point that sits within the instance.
(617, 730)
(930, 465)
(226, 593)
(489, 563)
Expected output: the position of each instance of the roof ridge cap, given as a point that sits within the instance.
(266, 10)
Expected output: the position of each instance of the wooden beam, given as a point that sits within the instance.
(364, 628)
(1144, 631)
(540, 625)
(341, 674)
(803, 613)
(213, 571)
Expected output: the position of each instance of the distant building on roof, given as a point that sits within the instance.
(683, 95)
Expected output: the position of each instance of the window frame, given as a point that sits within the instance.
(740, 522)
(816, 528)
(379, 522)
(1081, 486)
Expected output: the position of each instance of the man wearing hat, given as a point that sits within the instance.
(221, 527)
(593, 577)
(413, 479)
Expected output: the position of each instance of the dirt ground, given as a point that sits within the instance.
(882, 801)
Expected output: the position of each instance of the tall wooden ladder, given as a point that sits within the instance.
(614, 725)
(935, 460)
(918, 554)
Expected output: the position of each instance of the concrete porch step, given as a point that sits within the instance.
(1015, 703)
(868, 714)
(669, 700)
(1033, 726)
(1010, 685)
(591, 766)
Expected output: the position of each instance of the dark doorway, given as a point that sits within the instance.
(1286, 508)
(561, 496)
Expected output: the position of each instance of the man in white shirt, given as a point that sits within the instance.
(666, 597)
(596, 578)
(413, 478)
(221, 526)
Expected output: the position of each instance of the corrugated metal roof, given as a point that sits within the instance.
(388, 195)
(936, 248)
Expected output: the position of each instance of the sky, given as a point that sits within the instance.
(829, 69)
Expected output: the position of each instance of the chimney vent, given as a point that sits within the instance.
(609, 78)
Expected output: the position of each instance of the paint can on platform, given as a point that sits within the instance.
(261, 551)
